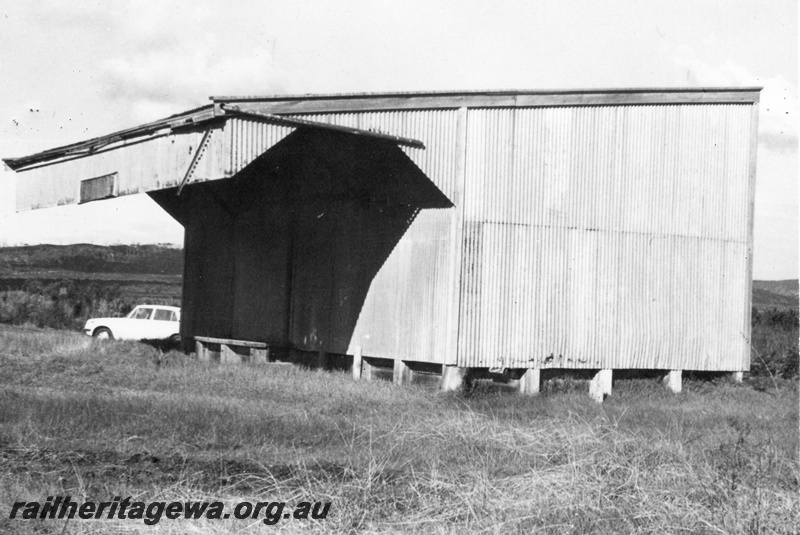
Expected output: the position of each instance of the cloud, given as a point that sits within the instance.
(778, 108)
(777, 141)
(169, 79)
(161, 58)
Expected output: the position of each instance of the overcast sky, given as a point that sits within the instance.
(75, 70)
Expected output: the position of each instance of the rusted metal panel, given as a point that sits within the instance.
(600, 237)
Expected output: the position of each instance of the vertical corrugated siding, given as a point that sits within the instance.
(247, 139)
(244, 140)
(141, 166)
(604, 236)
(406, 307)
(406, 312)
(611, 236)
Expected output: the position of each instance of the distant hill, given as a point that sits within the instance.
(775, 294)
(105, 262)
(133, 273)
(87, 258)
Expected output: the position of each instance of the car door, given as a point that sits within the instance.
(141, 323)
(122, 328)
(163, 323)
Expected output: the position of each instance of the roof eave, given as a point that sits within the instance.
(288, 104)
(468, 93)
(181, 120)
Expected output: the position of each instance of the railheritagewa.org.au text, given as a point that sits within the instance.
(151, 513)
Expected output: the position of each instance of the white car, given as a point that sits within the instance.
(145, 322)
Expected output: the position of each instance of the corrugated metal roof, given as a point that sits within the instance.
(192, 118)
(363, 102)
(321, 103)
(185, 119)
(503, 92)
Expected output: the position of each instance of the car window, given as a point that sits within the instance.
(143, 313)
(163, 314)
(174, 316)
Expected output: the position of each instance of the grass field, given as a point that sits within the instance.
(97, 420)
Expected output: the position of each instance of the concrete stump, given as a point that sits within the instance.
(673, 380)
(530, 384)
(259, 356)
(600, 385)
(402, 373)
(229, 356)
(453, 378)
(356, 368)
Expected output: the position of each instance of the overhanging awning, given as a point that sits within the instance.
(189, 119)
(315, 166)
(116, 140)
(207, 143)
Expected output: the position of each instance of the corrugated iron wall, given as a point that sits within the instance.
(410, 311)
(246, 139)
(582, 236)
(154, 163)
(607, 237)
(142, 165)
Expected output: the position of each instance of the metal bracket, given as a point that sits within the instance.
(501, 369)
(200, 149)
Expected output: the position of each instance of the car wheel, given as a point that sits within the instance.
(175, 339)
(103, 334)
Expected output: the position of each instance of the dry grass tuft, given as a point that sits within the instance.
(97, 420)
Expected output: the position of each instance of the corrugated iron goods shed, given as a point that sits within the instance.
(598, 230)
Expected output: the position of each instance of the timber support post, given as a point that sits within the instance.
(200, 351)
(530, 383)
(208, 351)
(673, 380)
(322, 359)
(600, 385)
(259, 356)
(224, 350)
(228, 355)
(402, 373)
(366, 369)
(356, 368)
(453, 378)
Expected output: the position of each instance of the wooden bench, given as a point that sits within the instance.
(226, 350)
